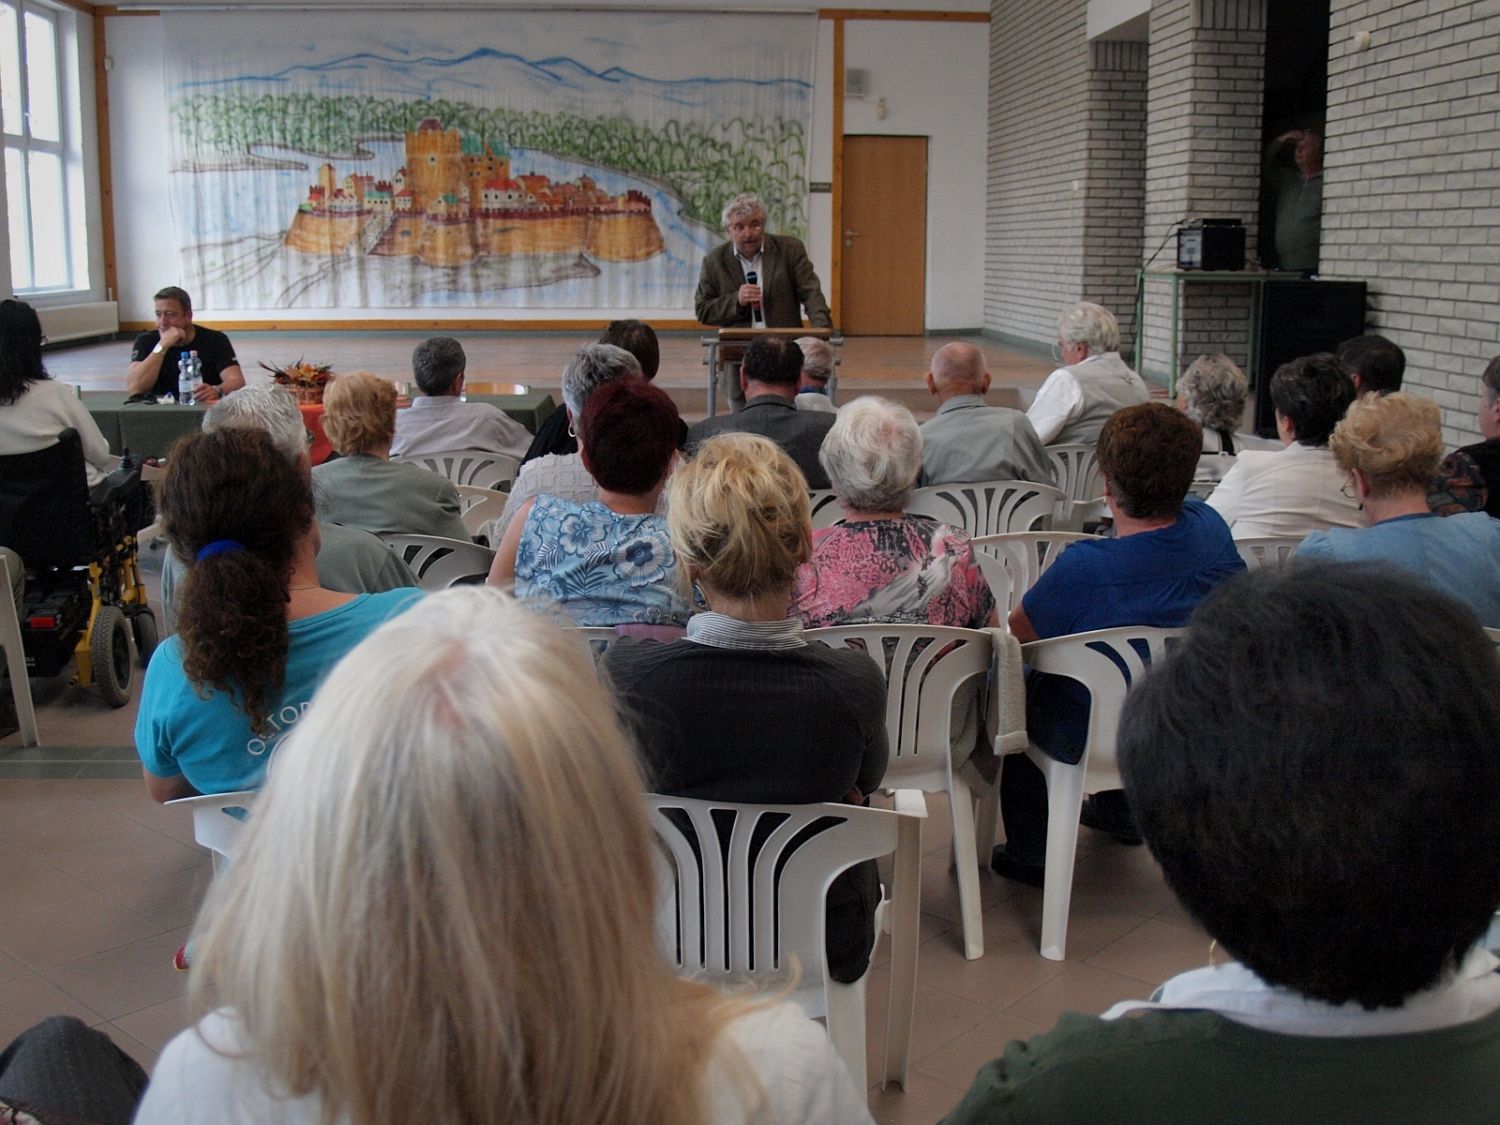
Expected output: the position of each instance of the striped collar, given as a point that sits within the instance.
(720, 631)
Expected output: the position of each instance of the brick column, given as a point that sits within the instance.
(1203, 153)
(1115, 180)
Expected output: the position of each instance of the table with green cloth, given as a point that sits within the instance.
(148, 430)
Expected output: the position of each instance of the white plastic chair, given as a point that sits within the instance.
(479, 506)
(1107, 662)
(470, 466)
(1012, 562)
(1493, 634)
(1078, 475)
(438, 563)
(1268, 551)
(15, 661)
(990, 507)
(1202, 489)
(927, 668)
(826, 509)
(739, 909)
(598, 638)
(213, 825)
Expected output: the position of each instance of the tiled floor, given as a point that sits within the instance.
(100, 887)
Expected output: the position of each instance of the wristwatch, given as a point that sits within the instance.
(158, 349)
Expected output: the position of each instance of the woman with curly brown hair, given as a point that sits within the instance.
(256, 632)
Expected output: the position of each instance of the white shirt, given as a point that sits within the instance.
(1074, 403)
(1236, 993)
(440, 423)
(802, 1081)
(1284, 493)
(45, 409)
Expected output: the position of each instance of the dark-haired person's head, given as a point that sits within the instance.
(20, 350)
(235, 486)
(178, 294)
(1374, 364)
(773, 361)
(1148, 454)
(639, 339)
(1489, 400)
(1312, 393)
(628, 436)
(436, 365)
(1314, 767)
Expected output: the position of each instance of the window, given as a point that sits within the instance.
(39, 108)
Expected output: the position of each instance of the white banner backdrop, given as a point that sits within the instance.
(524, 159)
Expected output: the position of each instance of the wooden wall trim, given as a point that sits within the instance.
(415, 324)
(889, 14)
(836, 248)
(106, 169)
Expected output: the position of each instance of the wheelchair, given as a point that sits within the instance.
(84, 595)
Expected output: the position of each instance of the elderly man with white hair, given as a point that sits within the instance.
(756, 280)
(817, 369)
(1078, 398)
(562, 474)
(969, 440)
(350, 561)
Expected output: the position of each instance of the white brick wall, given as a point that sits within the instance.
(1115, 183)
(1202, 160)
(1038, 158)
(1411, 194)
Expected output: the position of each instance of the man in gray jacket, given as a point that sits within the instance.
(969, 440)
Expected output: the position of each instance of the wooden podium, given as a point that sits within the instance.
(724, 351)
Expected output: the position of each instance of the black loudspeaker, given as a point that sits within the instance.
(1298, 318)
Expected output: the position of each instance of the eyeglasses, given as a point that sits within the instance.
(310, 436)
(1348, 489)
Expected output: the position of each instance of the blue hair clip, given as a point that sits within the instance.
(219, 547)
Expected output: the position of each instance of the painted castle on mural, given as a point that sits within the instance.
(455, 201)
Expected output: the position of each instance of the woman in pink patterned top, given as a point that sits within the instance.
(880, 564)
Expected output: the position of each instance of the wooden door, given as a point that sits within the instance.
(883, 276)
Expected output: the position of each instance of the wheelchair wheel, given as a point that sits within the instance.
(143, 625)
(109, 644)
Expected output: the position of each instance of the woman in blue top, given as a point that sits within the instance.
(610, 561)
(256, 632)
(1390, 445)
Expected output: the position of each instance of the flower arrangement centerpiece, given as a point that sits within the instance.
(306, 381)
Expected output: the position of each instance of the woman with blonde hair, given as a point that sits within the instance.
(363, 487)
(443, 910)
(1390, 445)
(744, 708)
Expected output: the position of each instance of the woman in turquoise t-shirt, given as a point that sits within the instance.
(256, 632)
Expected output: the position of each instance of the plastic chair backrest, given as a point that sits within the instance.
(925, 668)
(1267, 551)
(826, 509)
(744, 886)
(1493, 634)
(479, 506)
(470, 466)
(1108, 662)
(1014, 561)
(438, 563)
(1202, 489)
(1077, 469)
(989, 507)
(214, 824)
(598, 638)
(44, 505)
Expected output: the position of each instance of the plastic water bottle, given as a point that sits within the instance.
(185, 381)
(197, 368)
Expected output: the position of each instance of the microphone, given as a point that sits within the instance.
(756, 318)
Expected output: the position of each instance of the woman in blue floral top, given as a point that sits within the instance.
(609, 561)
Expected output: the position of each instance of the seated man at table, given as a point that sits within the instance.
(349, 560)
(439, 420)
(1169, 550)
(155, 355)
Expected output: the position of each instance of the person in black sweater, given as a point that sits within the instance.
(744, 708)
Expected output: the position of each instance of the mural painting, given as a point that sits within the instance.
(564, 170)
